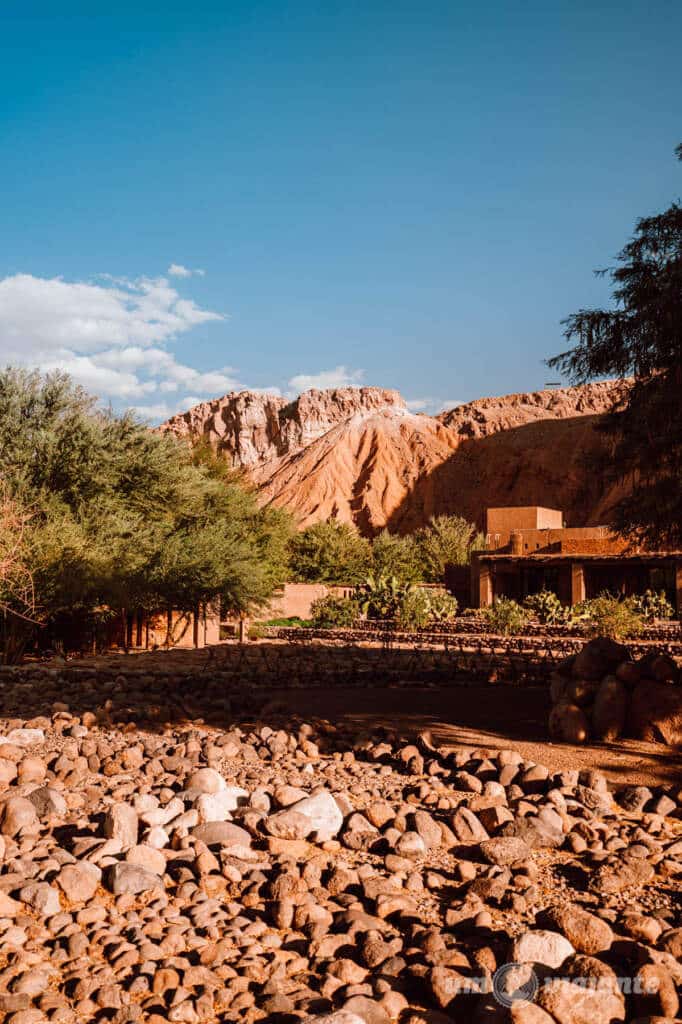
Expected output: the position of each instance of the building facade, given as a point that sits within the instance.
(529, 549)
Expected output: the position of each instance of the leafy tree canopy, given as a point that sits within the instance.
(120, 516)
(641, 337)
(330, 552)
(396, 555)
(447, 540)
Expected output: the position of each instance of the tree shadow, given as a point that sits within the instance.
(357, 692)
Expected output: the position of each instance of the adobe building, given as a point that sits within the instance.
(529, 549)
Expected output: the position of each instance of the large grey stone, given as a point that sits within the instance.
(18, 815)
(121, 822)
(41, 897)
(323, 813)
(570, 1003)
(541, 947)
(48, 802)
(130, 878)
(221, 833)
(79, 882)
(505, 850)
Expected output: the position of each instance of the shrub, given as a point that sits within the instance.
(506, 616)
(443, 607)
(415, 609)
(546, 607)
(334, 612)
(330, 552)
(473, 613)
(380, 597)
(610, 616)
(651, 606)
(294, 622)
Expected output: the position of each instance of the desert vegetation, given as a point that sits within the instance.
(334, 552)
(101, 516)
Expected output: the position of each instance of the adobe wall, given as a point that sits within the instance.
(183, 631)
(295, 600)
(502, 522)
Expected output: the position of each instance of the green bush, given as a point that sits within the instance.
(447, 540)
(396, 555)
(546, 607)
(651, 606)
(611, 616)
(506, 616)
(473, 613)
(443, 607)
(334, 612)
(330, 552)
(381, 597)
(415, 609)
(294, 622)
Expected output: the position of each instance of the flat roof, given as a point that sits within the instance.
(574, 556)
(522, 508)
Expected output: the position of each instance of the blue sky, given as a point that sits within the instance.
(397, 193)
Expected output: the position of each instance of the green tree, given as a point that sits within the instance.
(123, 517)
(641, 337)
(330, 552)
(396, 555)
(447, 540)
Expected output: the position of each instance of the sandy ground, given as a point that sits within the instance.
(488, 717)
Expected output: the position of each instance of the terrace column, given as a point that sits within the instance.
(485, 585)
(577, 582)
(678, 588)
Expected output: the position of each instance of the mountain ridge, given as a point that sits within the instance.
(360, 455)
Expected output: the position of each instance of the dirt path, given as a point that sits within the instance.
(488, 717)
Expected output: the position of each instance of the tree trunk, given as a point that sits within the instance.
(124, 624)
(195, 626)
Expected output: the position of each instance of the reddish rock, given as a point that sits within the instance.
(569, 723)
(309, 455)
(656, 713)
(610, 709)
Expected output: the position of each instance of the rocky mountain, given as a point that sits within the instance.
(487, 416)
(360, 455)
(251, 428)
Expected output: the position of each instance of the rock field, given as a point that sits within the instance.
(602, 693)
(246, 866)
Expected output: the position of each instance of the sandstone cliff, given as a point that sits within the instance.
(487, 416)
(250, 428)
(360, 455)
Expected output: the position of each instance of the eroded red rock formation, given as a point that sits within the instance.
(360, 455)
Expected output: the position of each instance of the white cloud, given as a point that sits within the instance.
(46, 314)
(339, 377)
(114, 336)
(177, 270)
(110, 336)
(156, 412)
(431, 406)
